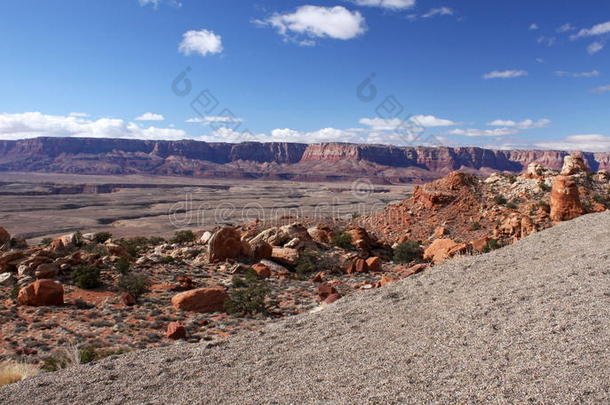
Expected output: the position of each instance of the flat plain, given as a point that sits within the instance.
(35, 206)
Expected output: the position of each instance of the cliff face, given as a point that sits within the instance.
(326, 161)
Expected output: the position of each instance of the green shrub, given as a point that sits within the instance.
(123, 265)
(492, 244)
(102, 237)
(134, 245)
(249, 296)
(134, 284)
(51, 364)
(475, 226)
(500, 199)
(46, 241)
(95, 249)
(168, 259)
(343, 240)
(307, 263)
(86, 277)
(407, 252)
(183, 237)
(511, 205)
(545, 187)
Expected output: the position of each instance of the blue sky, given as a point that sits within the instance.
(503, 74)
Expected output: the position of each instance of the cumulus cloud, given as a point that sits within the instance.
(78, 114)
(472, 132)
(202, 42)
(534, 27)
(598, 29)
(566, 28)
(595, 47)
(505, 74)
(388, 4)
(317, 22)
(155, 3)
(215, 119)
(525, 124)
(548, 41)
(415, 123)
(562, 73)
(438, 12)
(588, 143)
(36, 124)
(148, 116)
(601, 89)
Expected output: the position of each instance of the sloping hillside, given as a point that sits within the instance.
(524, 324)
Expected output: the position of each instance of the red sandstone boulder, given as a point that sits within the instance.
(332, 298)
(176, 330)
(262, 270)
(357, 266)
(201, 300)
(260, 250)
(385, 280)
(42, 293)
(442, 249)
(573, 165)
(325, 290)
(127, 299)
(565, 199)
(286, 256)
(225, 244)
(374, 264)
(320, 234)
(47, 270)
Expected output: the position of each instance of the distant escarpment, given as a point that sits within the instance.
(276, 160)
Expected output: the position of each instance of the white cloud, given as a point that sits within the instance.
(79, 114)
(534, 27)
(484, 132)
(566, 28)
(598, 29)
(602, 89)
(438, 12)
(429, 121)
(155, 3)
(317, 22)
(548, 41)
(150, 117)
(525, 124)
(214, 119)
(588, 143)
(539, 60)
(201, 42)
(505, 74)
(389, 4)
(562, 73)
(415, 123)
(36, 124)
(595, 47)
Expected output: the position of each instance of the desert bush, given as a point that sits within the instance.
(545, 187)
(12, 371)
(95, 249)
(168, 259)
(249, 296)
(408, 252)
(307, 263)
(492, 244)
(183, 237)
(102, 237)
(86, 277)
(134, 284)
(123, 265)
(342, 240)
(511, 205)
(475, 226)
(138, 244)
(46, 241)
(499, 199)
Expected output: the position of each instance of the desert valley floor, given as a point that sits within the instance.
(38, 205)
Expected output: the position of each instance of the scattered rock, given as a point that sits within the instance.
(7, 279)
(385, 280)
(47, 270)
(357, 266)
(325, 290)
(262, 270)
(128, 299)
(374, 264)
(286, 256)
(210, 299)
(5, 237)
(42, 293)
(260, 250)
(323, 235)
(225, 244)
(175, 331)
(442, 249)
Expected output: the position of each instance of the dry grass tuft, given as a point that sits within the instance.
(12, 371)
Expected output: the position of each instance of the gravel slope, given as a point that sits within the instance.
(527, 323)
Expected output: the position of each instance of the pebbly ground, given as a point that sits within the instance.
(529, 323)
